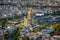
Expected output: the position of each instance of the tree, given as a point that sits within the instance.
(56, 13)
(56, 26)
(26, 38)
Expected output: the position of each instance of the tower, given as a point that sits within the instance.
(28, 19)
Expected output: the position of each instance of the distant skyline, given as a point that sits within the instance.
(9, 10)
